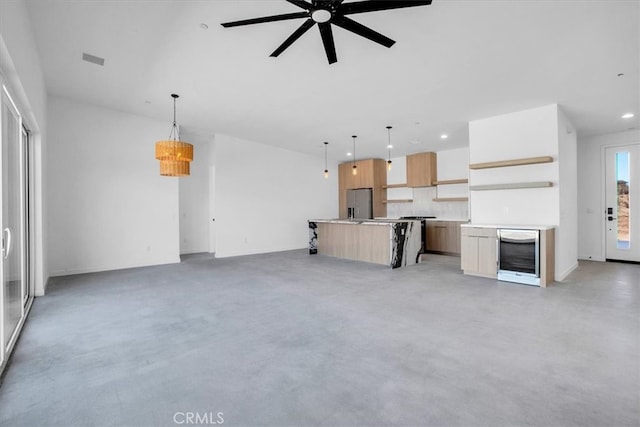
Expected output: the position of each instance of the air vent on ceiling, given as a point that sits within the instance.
(93, 59)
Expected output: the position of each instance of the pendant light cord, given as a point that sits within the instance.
(175, 132)
(325, 155)
(354, 150)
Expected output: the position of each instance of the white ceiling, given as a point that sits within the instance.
(453, 62)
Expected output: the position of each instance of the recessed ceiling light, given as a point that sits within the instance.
(390, 146)
(204, 26)
(627, 115)
(414, 142)
(444, 136)
(349, 154)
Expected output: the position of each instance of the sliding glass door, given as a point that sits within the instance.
(15, 295)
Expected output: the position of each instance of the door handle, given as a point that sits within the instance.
(7, 250)
(611, 218)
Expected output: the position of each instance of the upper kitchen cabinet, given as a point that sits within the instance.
(372, 173)
(422, 169)
(365, 177)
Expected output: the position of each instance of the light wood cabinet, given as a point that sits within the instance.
(372, 173)
(443, 237)
(363, 179)
(479, 251)
(422, 169)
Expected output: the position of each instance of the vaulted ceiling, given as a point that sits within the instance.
(453, 61)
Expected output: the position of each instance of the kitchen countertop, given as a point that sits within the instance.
(511, 226)
(430, 219)
(361, 221)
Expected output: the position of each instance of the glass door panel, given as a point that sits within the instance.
(13, 266)
(622, 192)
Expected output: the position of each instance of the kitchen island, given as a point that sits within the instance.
(392, 242)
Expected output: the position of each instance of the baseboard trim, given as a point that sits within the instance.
(623, 261)
(590, 258)
(565, 273)
(109, 268)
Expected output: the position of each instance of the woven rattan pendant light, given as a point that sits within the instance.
(174, 155)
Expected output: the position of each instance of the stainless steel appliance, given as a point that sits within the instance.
(519, 256)
(423, 232)
(359, 204)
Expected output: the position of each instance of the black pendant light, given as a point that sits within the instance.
(354, 169)
(326, 171)
(389, 146)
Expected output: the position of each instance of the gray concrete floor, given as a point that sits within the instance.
(289, 339)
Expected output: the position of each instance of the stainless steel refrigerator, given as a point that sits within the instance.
(359, 204)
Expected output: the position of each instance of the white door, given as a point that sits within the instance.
(622, 198)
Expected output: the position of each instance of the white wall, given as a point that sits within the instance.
(265, 195)
(194, 196)
(20, 65)
(531, 133)
(109, 208)
(567, 232)
(591, 221)
(452, 164)
(398, 175)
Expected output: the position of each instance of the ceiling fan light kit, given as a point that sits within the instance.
(327, 12)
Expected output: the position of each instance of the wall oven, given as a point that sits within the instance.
(519, 256)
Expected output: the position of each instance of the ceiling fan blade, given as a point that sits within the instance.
(301, 3)
(293, 37)
(327, 39)
(361, 30)
(373, 5)
(266, 19)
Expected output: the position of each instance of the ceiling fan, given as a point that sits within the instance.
(327, 12)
